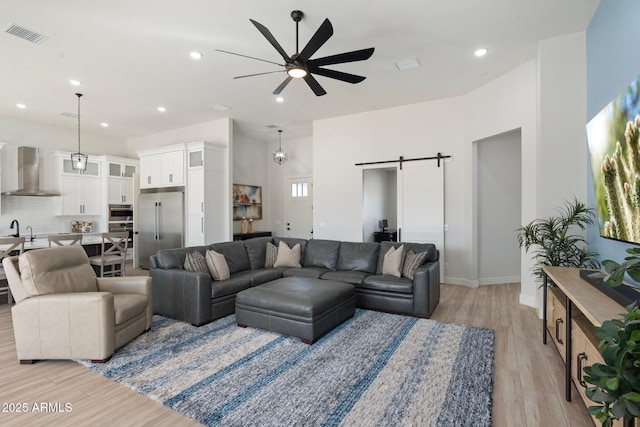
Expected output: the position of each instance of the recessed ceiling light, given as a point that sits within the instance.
(280, 99)
(75, 82)
(195, 55)
(21, 106)
(220, 107)
(104, 124)
(162, 109)
(407, 64)
(481, 52)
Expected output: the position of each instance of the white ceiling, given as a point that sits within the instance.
(133, 56)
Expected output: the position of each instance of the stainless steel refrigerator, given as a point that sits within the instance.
(160, 221)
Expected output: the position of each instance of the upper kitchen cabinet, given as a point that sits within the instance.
(120, 174)
(80, 191)
(162, 167)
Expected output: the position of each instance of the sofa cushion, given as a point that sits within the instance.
(256, 251)
(358, 256)
(195, 261)
(56, 270)
(271, 255)
(352, 277)
(232, 285)
(174, 258)
(217, 265)
(392, 262)
(262, 275)
(312, 272)
(412, 261)
(429, 248)
(288, 257)
(128, 306)
(388, 284)
(235, 254)
(291, 242)
(322, 254)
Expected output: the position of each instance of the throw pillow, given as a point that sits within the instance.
(218, 267)
(195, 261)
(271, 256)
(411, 263)
(288, 257)
(392, 263)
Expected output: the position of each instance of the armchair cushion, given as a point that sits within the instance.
(67, 271)
(128, 306)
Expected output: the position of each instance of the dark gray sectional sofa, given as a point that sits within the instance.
(196, 298)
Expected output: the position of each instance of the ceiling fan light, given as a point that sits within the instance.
(296, 72)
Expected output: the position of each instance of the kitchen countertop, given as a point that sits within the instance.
(42, 242)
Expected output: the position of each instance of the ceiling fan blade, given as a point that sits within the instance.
(314, 85)
(247, 56)
(267, 35)
(282, 85)
(338, 75)
(257, 74)
(322, 34)
(340, 58)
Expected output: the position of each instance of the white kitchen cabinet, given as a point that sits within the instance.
(120, 191)
(80, 192)
(208, 190)
(80, 195)
(120, 181)
(165, 169)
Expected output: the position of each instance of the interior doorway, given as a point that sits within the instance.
(379, 200)
(298, 207)
(498, 202)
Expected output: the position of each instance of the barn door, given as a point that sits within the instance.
(421, 204)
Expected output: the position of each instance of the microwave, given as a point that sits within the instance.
(120, 212)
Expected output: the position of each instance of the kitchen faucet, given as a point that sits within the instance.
(31, 236)
(15, 221)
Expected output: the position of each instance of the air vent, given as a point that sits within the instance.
(70, 115)
(25, 33)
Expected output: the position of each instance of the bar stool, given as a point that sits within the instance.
(65, 239)
(8, 245)
(113, 255)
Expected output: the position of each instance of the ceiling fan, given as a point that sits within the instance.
(300, 64)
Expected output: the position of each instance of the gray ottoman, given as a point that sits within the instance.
(302, 307)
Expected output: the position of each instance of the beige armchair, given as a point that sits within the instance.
(63, 311)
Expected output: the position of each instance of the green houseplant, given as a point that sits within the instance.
(555, 241)
(616, 383)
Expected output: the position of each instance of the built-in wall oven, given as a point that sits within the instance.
(121, 213)
(121, 219)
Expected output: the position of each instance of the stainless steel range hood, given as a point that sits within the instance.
(29, 174)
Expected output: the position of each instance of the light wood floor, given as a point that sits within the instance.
(528, 388)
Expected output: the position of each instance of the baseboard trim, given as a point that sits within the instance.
(528, 300)
(499, 280)
(460, 281)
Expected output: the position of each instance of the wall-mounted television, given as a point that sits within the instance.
(614, 150)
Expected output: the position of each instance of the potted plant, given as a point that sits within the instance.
(616, 383)
(555, 239)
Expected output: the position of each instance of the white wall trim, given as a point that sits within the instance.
(498, 280)
(528, 300)
(460, 281)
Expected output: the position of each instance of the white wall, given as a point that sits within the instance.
(250, 168)
(499, 198)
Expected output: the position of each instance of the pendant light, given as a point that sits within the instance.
(279, 156)
(79, 160)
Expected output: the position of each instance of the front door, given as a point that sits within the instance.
(298, 207)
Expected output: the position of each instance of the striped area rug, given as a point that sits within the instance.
(374, 369)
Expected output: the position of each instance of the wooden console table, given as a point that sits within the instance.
(570, 311)
(245, 236)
